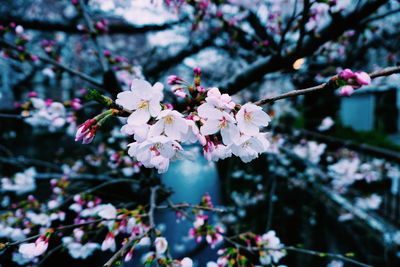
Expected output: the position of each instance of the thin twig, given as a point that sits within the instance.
(93, 189)
(122, 251)
(153, 195)
(381, 73)
(13, 116)
(61, 228)
(89, 22)
(300, 250)
(187, 205)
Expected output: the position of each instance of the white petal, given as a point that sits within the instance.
(248, 128)
(209, 112)
(127, 99)
(209, 127)
(139, 116)
(229, 134)
(154, 107)
(141, 85)
(261, 118)
(157, 128)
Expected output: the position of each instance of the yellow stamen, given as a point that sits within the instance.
(169, 119)
(143, 105)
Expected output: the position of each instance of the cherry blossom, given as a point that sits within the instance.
(143, 99)
(171, 123)
(32, 250)
(249, 147)
(109, 243)
(219, 121)
(250, 117)
(161, 245)
(107, 211)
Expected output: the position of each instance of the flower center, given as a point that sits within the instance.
(143, 105)
(223, 123)
(247, 116)
(169, 119)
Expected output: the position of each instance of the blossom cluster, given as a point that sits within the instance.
(49, 114)
(218, 124)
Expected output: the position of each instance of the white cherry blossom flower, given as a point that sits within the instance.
(220, 152)
(186, 262)
(171, 123)
(107, 211)
(78, 250)
(250, 117)
(20, 259)
(220, 121)
(193, 133)
(140, 132)
(161, 245)
(249, 147)
(143, 99)
(218, 100)
(109, 243)
(32, 250)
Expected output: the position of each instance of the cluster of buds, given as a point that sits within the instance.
(260, 44)
(87, 130)
(212, 234)
(101, 26)
(120, 63)
(48, 46)
(75, 104)
(20, 40)
(230, 257)
(206, 201)
(349, 81)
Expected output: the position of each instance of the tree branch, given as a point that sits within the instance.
(113, 28)
(381, 73)
(338, 25)
(79, 74)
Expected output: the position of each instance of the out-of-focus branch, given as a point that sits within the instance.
(381, 16)
(295, 249)
(122, 251)
(260, 30)
(61, 228)
(59, 65)
(90, 24)
(304, 19)
(187, 205)
(83, 176)
(93, 189)
(333, 30)
(21, 160)
(113, 28)
(165, 63)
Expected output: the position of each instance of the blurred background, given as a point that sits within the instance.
(330, 181)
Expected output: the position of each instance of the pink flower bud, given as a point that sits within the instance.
(346, 74)
(76, 104)
(128, 256)
(32, 94)
(362, 78)
(346, 90)
(197, 71)
(173, 79)
(107, 53)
